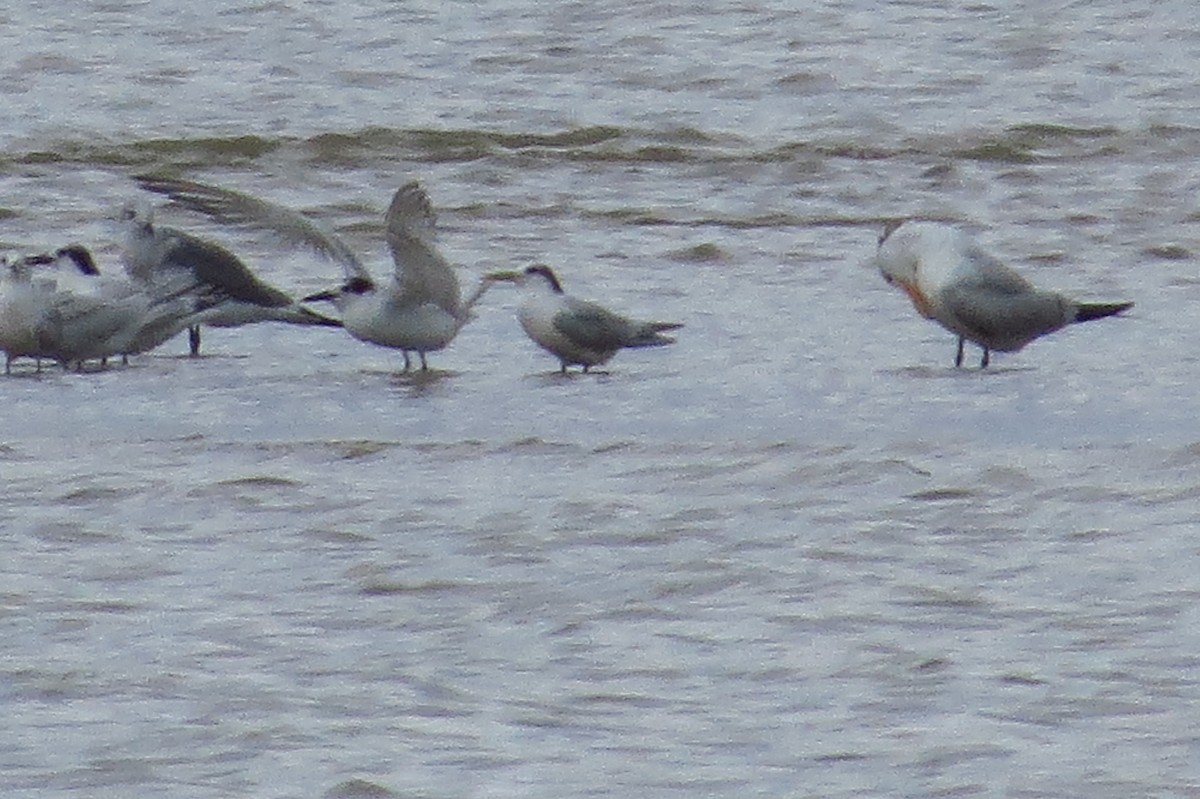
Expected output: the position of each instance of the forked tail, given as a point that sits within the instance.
(650, 334)
(301, 315)
(1087, 311)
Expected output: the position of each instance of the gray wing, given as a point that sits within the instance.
(217, 269)
(422, 274)
(589, 326)
(234, 207)
(988, 273)
(999, 308)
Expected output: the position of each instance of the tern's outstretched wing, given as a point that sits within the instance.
(422, 274)
(216, 269)
(234, 207)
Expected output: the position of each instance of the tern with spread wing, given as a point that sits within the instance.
(419, 309)
(973, 295)
(157, 256)
(577, 331)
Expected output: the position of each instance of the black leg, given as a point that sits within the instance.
(407, 362)
(194, 340)
(424, 366)
(958, 358)
(987, 358)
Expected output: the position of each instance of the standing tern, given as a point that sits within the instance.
(419, 310)
(577, 331)
(973, 295)
(152, 317)
(20, 309)
(156, 255)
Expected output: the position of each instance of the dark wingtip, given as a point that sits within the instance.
(1098, 310)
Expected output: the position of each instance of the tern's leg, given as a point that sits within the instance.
(959, 357)
(586, 368)
(407, 361)
(987, 358)
(424, 366)
(194, 340)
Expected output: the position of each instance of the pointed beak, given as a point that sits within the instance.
(507, 276)
(322, 296)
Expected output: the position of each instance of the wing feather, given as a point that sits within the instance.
(234, 207)
(422, 273)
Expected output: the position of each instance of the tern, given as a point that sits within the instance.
(419, 309)
(20, 309)
(577, 331)
(152, 317)
(157, 256)
(972, 294)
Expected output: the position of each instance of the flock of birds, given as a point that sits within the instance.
(59, 307)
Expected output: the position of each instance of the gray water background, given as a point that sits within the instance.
(797, 554)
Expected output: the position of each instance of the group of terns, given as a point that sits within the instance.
(59, 307)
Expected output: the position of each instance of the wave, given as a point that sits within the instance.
(1020, 144)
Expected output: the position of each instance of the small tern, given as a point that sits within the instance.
(154, 316)
(577, 331)
(419, 310)
(20, 309)
(972, 294)
(157, 256)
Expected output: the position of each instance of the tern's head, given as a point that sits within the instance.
(354, 287)
(137, 218)
(538, 276)
(80, 257)
(21, 268)
(542, 275)
(897, 258)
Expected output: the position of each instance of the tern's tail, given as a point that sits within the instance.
(650, 334)
(1087, 311)
(307, 316)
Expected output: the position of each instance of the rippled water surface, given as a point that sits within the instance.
(796, 554)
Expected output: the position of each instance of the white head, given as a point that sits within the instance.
(909, 250)
(916, 256)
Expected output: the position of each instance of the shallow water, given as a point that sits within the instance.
(795, 554)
